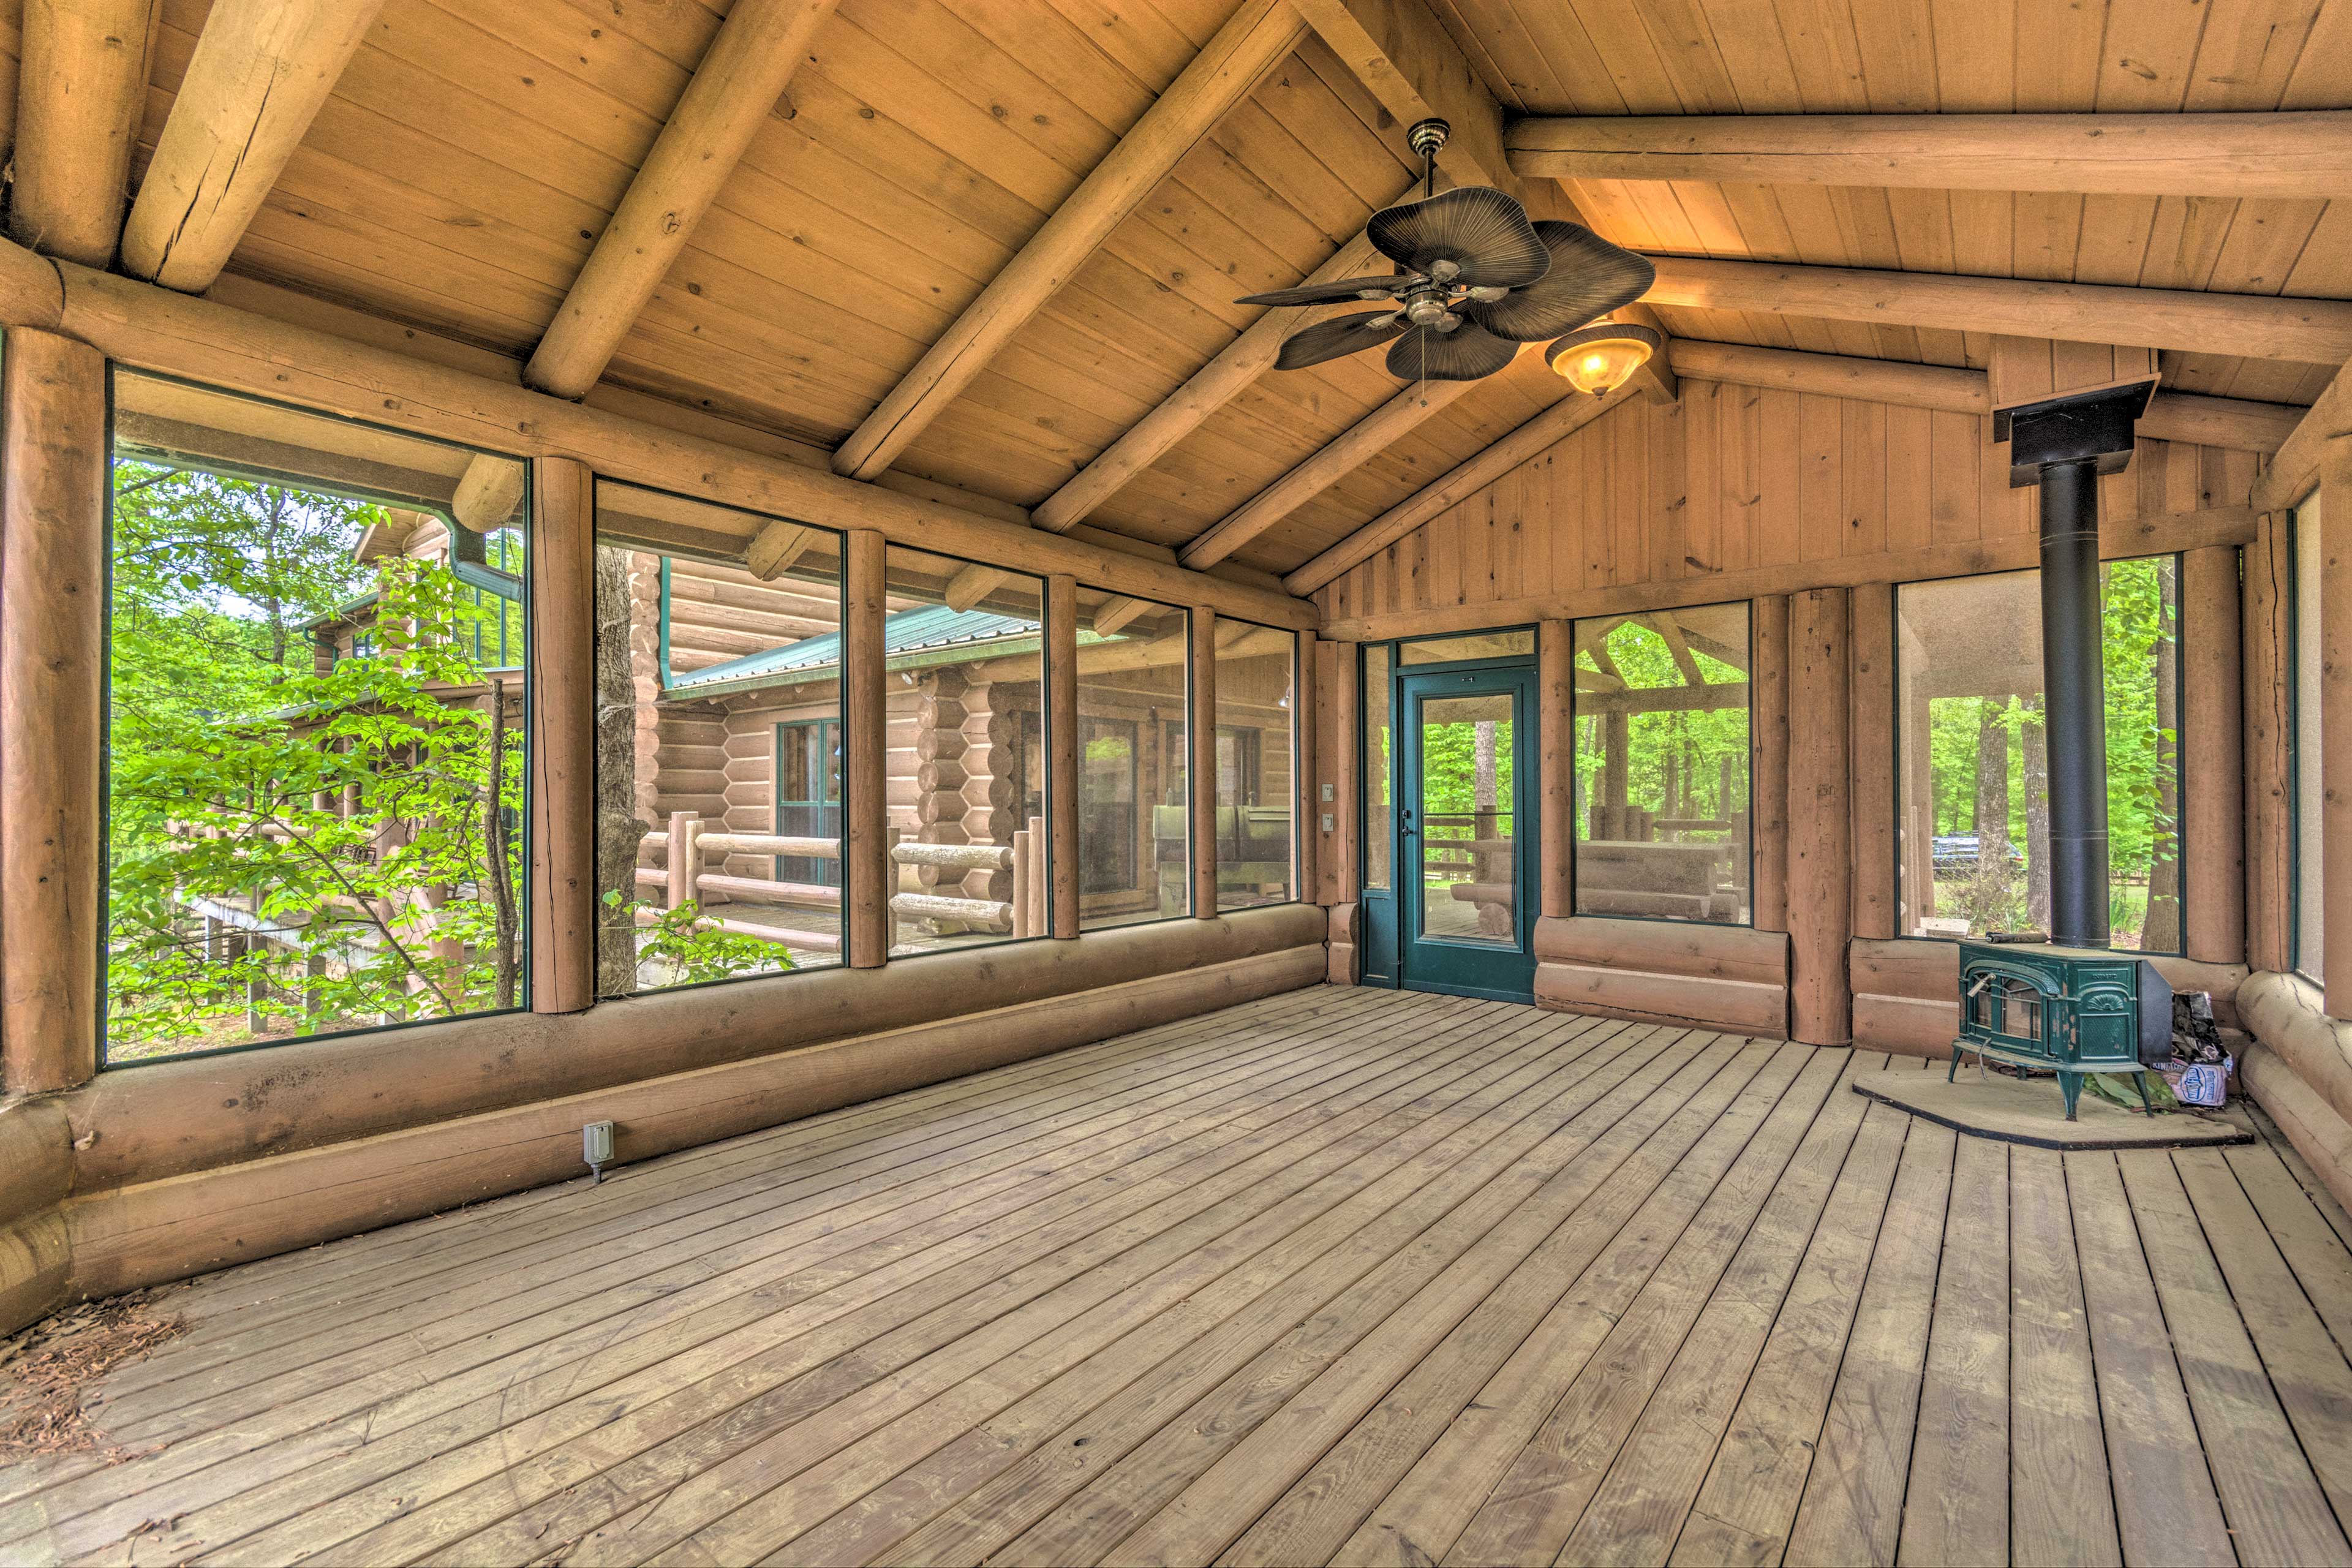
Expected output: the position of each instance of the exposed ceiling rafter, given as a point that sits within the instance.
(1555, 424)
(743, 71)
(82, 85)
(2258, 326)
(1361, 442)
(261, 70)
(1227, 69)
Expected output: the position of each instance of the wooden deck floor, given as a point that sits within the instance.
(1343, 1275)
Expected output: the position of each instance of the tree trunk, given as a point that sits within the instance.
(2161, 930)
(2037, 816)
(620, 835)
(1992, 823)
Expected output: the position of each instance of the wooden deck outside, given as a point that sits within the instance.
(1344, 1275)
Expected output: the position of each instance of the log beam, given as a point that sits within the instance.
(2120, 539)
(148, 327)
(1367, 439)
(261, 70)
(487, 492)
(82, 85)
(2230, 422)
(732, 93)
(2303, 155)
(2291, 476)
(1554, 425)
(53, 456)
(1210, 388)
(1255, 41)
(776, 548)
(563, 764)
(2259, 326)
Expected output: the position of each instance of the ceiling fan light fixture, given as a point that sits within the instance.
(1600, 359)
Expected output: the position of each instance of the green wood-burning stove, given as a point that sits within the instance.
(2073, 1010)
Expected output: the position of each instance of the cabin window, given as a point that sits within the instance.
(964, 649)
(1256, 672)
(1661, 739)
(316, 726)
(808, 796)
(1107, 797)
(1135, 817)
(2309, 887)
(1972, 769)
(718, 754)
(1379, 766)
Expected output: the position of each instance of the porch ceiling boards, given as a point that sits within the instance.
(470, 157)
(1344, 1275)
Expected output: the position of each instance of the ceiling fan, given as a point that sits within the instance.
(1475, 280)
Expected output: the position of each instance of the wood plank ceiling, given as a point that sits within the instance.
(473, 149)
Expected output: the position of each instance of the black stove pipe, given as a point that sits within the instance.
(2075, 708)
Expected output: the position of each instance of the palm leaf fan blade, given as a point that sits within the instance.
(1480, 230)
(1465, 353)
(1338, 337)
(1589, 278)
(1337, 291)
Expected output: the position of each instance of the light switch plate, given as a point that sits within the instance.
(1329, 822)
(1329, 796)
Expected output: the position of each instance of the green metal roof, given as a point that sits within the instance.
(927, 628)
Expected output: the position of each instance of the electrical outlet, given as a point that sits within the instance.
(1329, 822)
(596, 1145)
(1329, 794)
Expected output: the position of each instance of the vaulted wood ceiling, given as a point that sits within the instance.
(472, 151)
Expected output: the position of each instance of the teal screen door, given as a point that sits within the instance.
(1465, 832)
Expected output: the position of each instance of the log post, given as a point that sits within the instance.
(563, 799)
(684, 858)
(2334, 589)
(1872, 639)
(2268, 691)
(1041, 891)
(1556, 747)
(1767, 779)
(1062, 751)
(1305, 833)
(1820, 859)
(1201, 767)
(2213, 822)
(866, 710)
(1343, 869)
(1021, 883)
(53, 453)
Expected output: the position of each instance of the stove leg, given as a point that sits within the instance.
(2069, 1085)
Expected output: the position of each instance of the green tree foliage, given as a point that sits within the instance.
(1676, 761)
(354, 829)
(2138, 615)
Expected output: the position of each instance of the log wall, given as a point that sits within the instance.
(1812, 508)
(1734, 493)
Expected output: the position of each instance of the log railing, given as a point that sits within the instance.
(683, 880)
